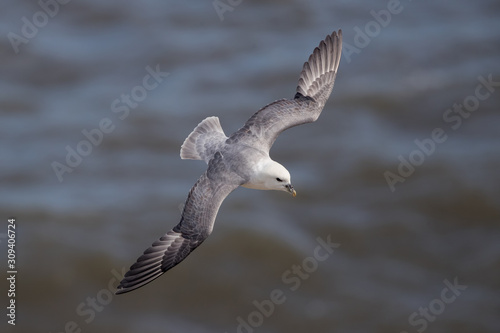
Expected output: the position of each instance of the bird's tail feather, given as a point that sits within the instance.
(203, 140)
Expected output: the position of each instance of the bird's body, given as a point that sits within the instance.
(242, 159)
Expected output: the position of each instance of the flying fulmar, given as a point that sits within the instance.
(242, 159)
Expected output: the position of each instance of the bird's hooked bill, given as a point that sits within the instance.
(291, 190)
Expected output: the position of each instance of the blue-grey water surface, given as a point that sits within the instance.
(411, 104)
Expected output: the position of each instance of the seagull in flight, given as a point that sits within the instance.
(241, 159)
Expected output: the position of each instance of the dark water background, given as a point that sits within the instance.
(397, 248)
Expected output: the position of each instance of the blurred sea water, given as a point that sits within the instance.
(410, 70)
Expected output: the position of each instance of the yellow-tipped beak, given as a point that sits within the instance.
(294, 193)
(290, 189)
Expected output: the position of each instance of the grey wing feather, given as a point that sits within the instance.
(314, 87)
(196, 224)
(318, 74)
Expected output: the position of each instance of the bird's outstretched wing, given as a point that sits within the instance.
(315, 85)
(196, 224)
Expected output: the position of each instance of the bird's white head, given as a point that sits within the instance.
(272, 176)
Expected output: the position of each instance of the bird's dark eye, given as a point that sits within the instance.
(279, 179)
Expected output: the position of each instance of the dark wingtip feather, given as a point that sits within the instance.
(323, 60)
